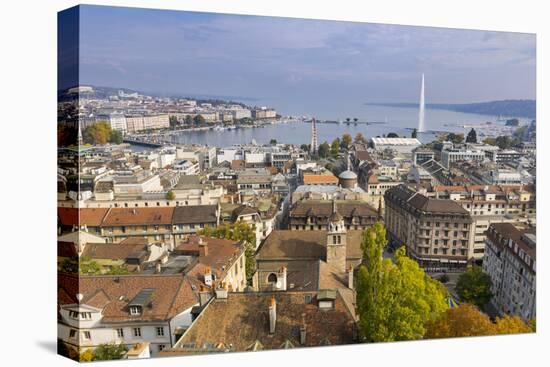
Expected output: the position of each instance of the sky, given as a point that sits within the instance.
(298, 62)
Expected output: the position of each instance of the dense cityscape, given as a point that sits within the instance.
(166, 248)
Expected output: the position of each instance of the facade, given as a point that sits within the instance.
(129, 309)
(510, 261)
(437, 233)
(400, 145)
(314, 215)
(449, 156)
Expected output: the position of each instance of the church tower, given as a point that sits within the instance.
(336, 240)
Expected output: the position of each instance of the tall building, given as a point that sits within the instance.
(314, 145)
(510, 261)
(436, 232)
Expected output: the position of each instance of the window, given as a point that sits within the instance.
(86, 335)
(272, 278)
(72, 333)
(73, 314)
(161, 347)
(326, 305)
(135, 310)
(137, 332)
(308, 298)
(86, 315)
(160, 331)
(120, 333)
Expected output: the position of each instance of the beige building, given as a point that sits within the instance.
(437, 232)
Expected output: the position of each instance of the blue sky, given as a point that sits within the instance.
(291, 61)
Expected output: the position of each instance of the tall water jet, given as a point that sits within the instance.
(421, 125)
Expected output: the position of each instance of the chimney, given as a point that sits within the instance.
(282, 277)
(158, 267)
(204, 296)
(272, 315)
(350, 277)
(208, 276)
(221, 292)
(203, 248)
(303, 330)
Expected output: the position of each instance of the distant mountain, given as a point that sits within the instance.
(509, 108)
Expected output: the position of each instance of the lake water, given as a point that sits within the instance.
(399, 120)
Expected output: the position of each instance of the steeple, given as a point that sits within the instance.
(336, 240)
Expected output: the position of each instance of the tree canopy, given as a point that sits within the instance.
(335, 147)
(106, 352)
(324, 150)
(474, 286)
(414, 133)
(455, 138)
(394, 299)
(359, 138)
(467, 320)
(346, 141)
(101, 133)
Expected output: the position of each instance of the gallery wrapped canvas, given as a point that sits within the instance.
(231, 183)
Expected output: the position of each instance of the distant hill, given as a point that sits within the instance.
(509, 108)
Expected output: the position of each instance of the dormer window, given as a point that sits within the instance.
(135, 310)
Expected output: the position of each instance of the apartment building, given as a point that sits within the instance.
(510, 261)
(490, 204)
(449, 156)
(437, 232)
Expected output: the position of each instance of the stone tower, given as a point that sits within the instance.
(336, 241)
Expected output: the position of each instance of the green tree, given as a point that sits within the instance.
(474, 286)
(471, 137)
(392, 135)
(87, 355)
(173, 121)
(170, 195)
(455, 138)
(88, 266)
(242, 232)
(414, 134)
(107, 352)
(188, 120)
(118, 270)
(324, 150)
(98, 133)
(335, 148)
(346, 141)
(115, 137)
(273, 142)
(199, 120)
(305, 147)
(360, 139)
(394, 299)
(69, 265)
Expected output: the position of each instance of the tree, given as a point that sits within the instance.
(69, 265)
(443, 278)
(392, 135)
(324, 150)
(87, 355)
(464, 320)
(173, 121)
(346, 141)
(305, 147)
(106, 352)
(170, 195)
(394, 299)
(199, 120)
(88, 266)
(455, 138)
(335, 148)
(474, 286)
(414, 134)
(273, 142)
(471, 137)
(188, 120)
(241, 232)
(468, 320)
(359, 138)
(97, 133)
(118, 270)
(115, 137)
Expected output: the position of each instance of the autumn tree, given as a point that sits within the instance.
(467, 320)
(474, 286)
(394, 299)
(346, 141)
(170, 195)
(242, 232)
(359, 138)
(464, 320)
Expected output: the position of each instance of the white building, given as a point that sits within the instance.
(187, 167)
(449, 156)
(401, 145)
